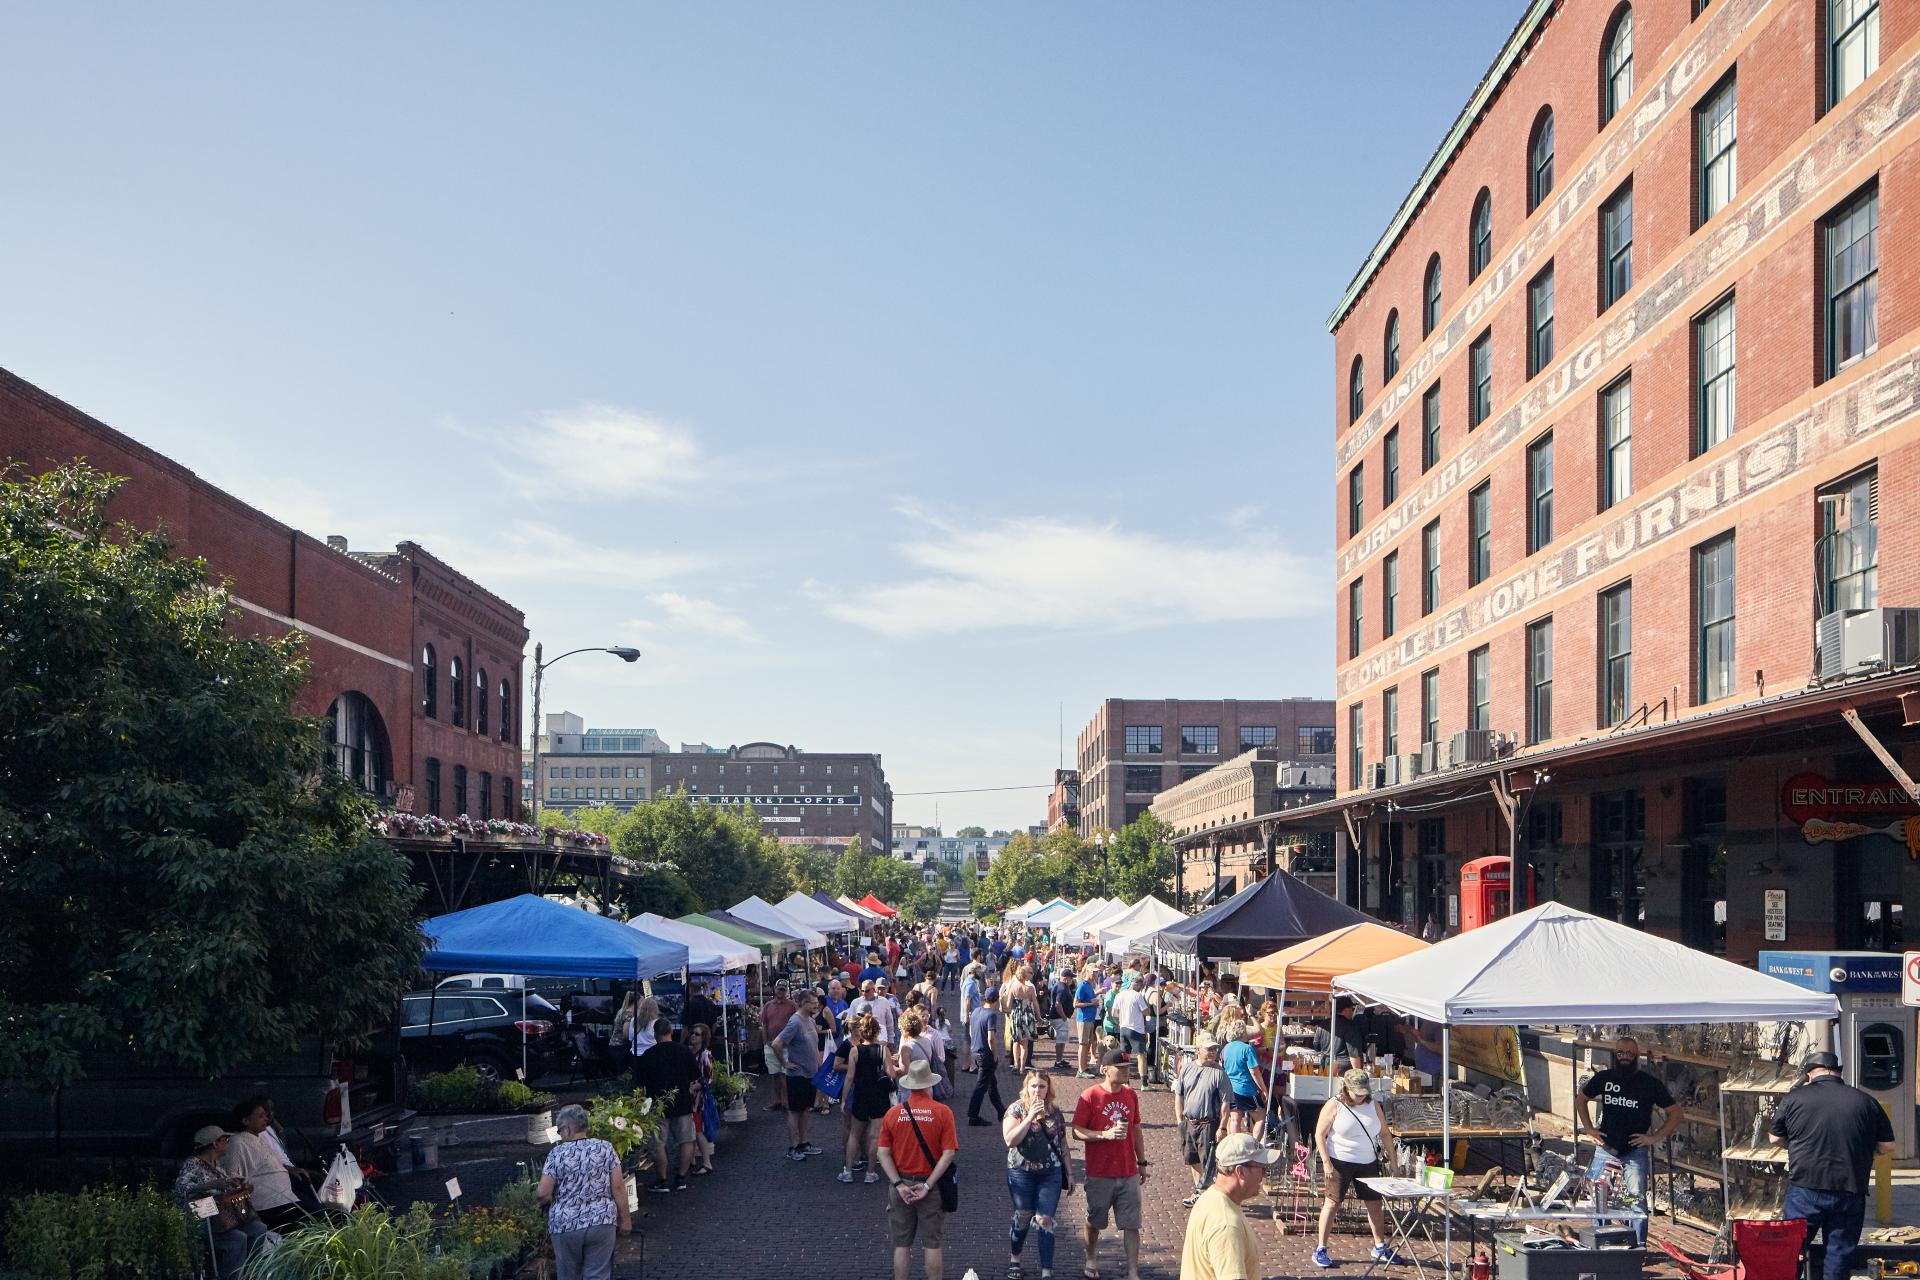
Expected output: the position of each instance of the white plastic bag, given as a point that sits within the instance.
(342, 1183)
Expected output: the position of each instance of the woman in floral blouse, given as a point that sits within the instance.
(585, 1192)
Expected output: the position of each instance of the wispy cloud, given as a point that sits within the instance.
(705, 617)
(526, 550)
(1048, 574)
(597, 451)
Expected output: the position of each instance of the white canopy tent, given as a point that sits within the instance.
(1142, 920)
(1085, 911)
(707, 951)
(1045, 917)
(1556, 964)
(865, 915)
(1020, 912)
(810, 912)
(757, 910)
(1079, 933)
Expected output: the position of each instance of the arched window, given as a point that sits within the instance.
(506, 710)
(480, 701)
(1480, 235)
(1356, 391)
(1616, 64)
(1430, 312)
(1540, 160)
(357, 741)
(1390, 358)
(429, 684)
(457, 692)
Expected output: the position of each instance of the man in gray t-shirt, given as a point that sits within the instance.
(798, 1049)
(1200, 1090)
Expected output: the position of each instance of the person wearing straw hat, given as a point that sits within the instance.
(918, 1144)
(1351, 1135)
(1219, 1242)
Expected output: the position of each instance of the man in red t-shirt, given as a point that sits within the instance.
(1107, 1119)
(913, 1192)
(774, 1015)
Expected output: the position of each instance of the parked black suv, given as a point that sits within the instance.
(483, 1030)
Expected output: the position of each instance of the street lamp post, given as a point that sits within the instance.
(540, 666)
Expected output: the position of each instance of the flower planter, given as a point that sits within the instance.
(540, 1130)
(735, 1112)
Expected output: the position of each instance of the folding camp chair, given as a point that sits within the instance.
(1762, 1251)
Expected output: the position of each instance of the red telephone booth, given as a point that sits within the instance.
(1486, 891)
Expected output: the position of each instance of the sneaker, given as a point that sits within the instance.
(661, 1188)
(858, 1165)
(1191, 1200)
(872, 1176)
(680, 1185)
(1384, 1253)
(807, 1148)
(796, 1154)
(1321, 1258)
(845, 1175)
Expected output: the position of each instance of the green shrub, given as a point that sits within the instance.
(368, 1244)
(521, 1198)
(462, 1089)
(103, 1234)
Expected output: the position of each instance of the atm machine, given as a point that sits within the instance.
(1875, 1036)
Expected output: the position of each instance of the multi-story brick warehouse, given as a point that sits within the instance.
(1135, 748)
(416, 667)
(1225, 827)
(818, 795)
(1626, 421)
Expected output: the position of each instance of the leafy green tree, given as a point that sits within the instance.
(970, 833)
(810, 868)
(721, 853)
(1140, 860)
(601, 820)
(183, 878)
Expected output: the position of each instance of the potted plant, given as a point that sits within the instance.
(730, 1093)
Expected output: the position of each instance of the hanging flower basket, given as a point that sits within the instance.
(409, 826)
(492, 829)
(574, 839)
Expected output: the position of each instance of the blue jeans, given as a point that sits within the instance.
(1036, 1194)
(1634, 1166)
(1837, 1215)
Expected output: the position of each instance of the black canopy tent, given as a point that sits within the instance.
(1265, 916)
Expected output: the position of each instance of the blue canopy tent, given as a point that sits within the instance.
(534, 937)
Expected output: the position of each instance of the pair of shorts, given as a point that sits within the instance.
(1342, 1174)
(679, 1130)
(772, 1060)
(1196, 1139)
(923, 1222)
(1083, 1032)
(1134, 1042)
(1120, 1195)
(800, 1093)
(1243, 1101)
(1060, 1031)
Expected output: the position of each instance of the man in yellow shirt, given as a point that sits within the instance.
(1219, 1244)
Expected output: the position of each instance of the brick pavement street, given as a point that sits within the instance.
(761, 1215)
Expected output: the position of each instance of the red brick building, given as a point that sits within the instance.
(417, 668)
(1063, 802)
(1628, 473)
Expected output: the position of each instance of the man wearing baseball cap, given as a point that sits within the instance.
(1831, 1131)
(1219, 1243)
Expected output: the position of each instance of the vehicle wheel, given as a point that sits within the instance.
(491, 1070)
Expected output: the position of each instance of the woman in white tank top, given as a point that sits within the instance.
(1351, 1136)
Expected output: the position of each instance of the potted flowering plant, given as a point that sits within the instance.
(628, 1121)
(730, 1093)
(582, 839)
(409, 826)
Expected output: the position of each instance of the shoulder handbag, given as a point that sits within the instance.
(1066, 1177)
(1379, 1156)
(949, 1183)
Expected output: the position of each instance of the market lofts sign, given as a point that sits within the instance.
(1771, 456)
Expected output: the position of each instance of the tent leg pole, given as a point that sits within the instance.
(523, 1030)
(1446, 1128)
(1274, 1050)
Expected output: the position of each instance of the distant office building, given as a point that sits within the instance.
(923, 846)
(817, 795)
(1135, 748)
(593, 768)
(1223, 827)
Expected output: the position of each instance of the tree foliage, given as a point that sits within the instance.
(1137, 860)
(970, 833)
(721, 853)
(182, 877)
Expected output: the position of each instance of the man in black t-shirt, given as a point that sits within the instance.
(1626, 1096)
(700, 1010)
(668, 1067)
(1832, 1131)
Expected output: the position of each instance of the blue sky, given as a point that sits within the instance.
(892, 375)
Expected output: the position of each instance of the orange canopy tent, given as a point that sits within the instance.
(872, 903)
(1312, 965)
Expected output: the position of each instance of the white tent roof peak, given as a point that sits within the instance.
(1085, 911)
(757, 910)
(1554, 963)
(818, 915)
(1145, 917)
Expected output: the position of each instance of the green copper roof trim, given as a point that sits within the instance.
(1535, 17)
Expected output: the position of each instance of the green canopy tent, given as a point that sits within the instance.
(772, 947)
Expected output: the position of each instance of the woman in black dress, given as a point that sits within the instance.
(868, 1094)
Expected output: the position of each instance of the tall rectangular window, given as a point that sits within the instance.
(1616, 443)
(1390, 722)
(1717, 123)
(1356, 498)
(1430, 568)
(1200, 739)
(1713, 357)
(1848, 553)
(1853, 280)
(1480, 371)
(1616, 247)
(1540, 680)
(1616, 654)
(1479, 689)
(1480, 536)
(1713, 609)
(1853, 45)
(433, 786)
(1390, 469)
(1540, 322)
(1390, 594)
(1429, 706)
(1356, 744)
(1143, 739)
(1540, 492)
(1430, 428)
(1356, 616)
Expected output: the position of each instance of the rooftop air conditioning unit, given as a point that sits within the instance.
(1829, 641)
(1390, 772)
(1376, 775)
(1428, 760)
(1442, 754)
(1473, 746)
(1874, 639)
